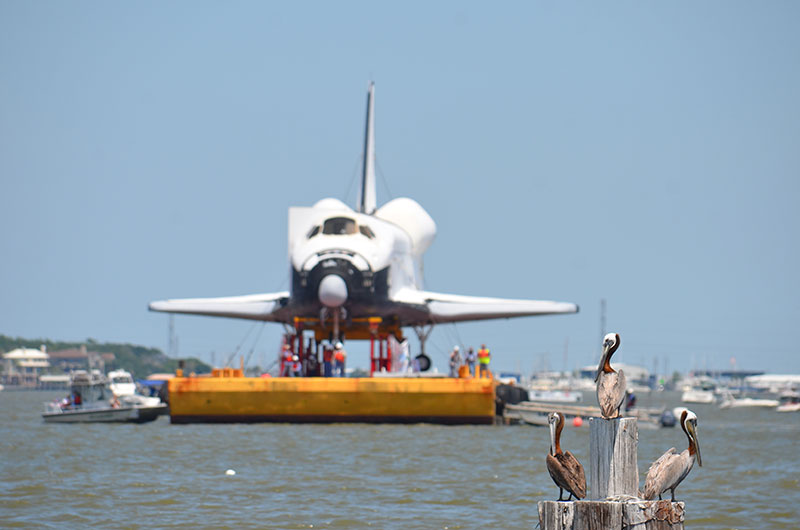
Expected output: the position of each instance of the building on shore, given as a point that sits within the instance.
(29, 368)
(22, 366)
(80, 359)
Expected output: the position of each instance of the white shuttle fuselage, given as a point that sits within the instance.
(352, 267)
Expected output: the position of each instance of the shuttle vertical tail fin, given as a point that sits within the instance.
(367, 201)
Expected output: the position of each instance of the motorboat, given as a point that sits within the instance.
(555, 396)
(91, 400)
(788, 402)
(701, 390)
(122, 385)
(730, 401)
(697, 395)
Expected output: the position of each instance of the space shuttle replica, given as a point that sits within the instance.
(357, 273)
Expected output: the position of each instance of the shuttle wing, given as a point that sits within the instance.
(444, 308)
(263, 307)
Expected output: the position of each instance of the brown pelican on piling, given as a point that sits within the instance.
(565, 469)
(610, 383)
(669, 470)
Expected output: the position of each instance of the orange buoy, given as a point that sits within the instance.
(577, 421)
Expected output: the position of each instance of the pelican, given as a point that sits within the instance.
(669, 470)
(565, 469)
(610, 383)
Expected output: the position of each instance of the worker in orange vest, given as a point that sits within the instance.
(297, 366)
(327, 361)
(339, 356)
(483, 359)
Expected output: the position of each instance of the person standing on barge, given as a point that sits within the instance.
(339, 357)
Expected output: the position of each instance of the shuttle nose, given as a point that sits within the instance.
(332, 291)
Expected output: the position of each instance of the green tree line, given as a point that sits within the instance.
(140, 361)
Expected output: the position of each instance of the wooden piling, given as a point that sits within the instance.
(613, 466)
(613, 515)
(614, 484)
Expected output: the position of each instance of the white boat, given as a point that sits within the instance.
(91, 401)
(697, 395)
(700, 390)
(733, 402)
(788, 402)
(555, 396)
(122, 385)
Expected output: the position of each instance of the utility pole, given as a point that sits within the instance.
(602, 327)
(602, 319)
(172, 340)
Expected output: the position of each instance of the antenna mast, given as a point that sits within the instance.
(172, 340)
(602, 324)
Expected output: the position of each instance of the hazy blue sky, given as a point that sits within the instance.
(648, 154)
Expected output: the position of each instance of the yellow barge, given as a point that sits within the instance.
(229, 397)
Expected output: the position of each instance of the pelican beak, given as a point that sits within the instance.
(606, 346)
(693, 430)
(552, 438)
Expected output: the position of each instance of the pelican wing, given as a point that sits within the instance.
(567, 473)
(254, 306)
(666, 473)
(556, 471)
(578, 477)
(611, 393)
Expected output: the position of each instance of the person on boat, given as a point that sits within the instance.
(339, 356)
(403, 360)
(484, 356)
(77, 400)
(327, 360)
(114, 401)
(455, 361)
(471, 361)
(286, 361)
(297, 367)
(630, 400)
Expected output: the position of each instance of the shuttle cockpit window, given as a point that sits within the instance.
(366, 231)
(339, 226)
(311, 233)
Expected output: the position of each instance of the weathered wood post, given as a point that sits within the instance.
(614, 483)
(613, 466)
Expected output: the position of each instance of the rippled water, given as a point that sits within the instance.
(358, 476)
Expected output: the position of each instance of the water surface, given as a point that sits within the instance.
(159, 475)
